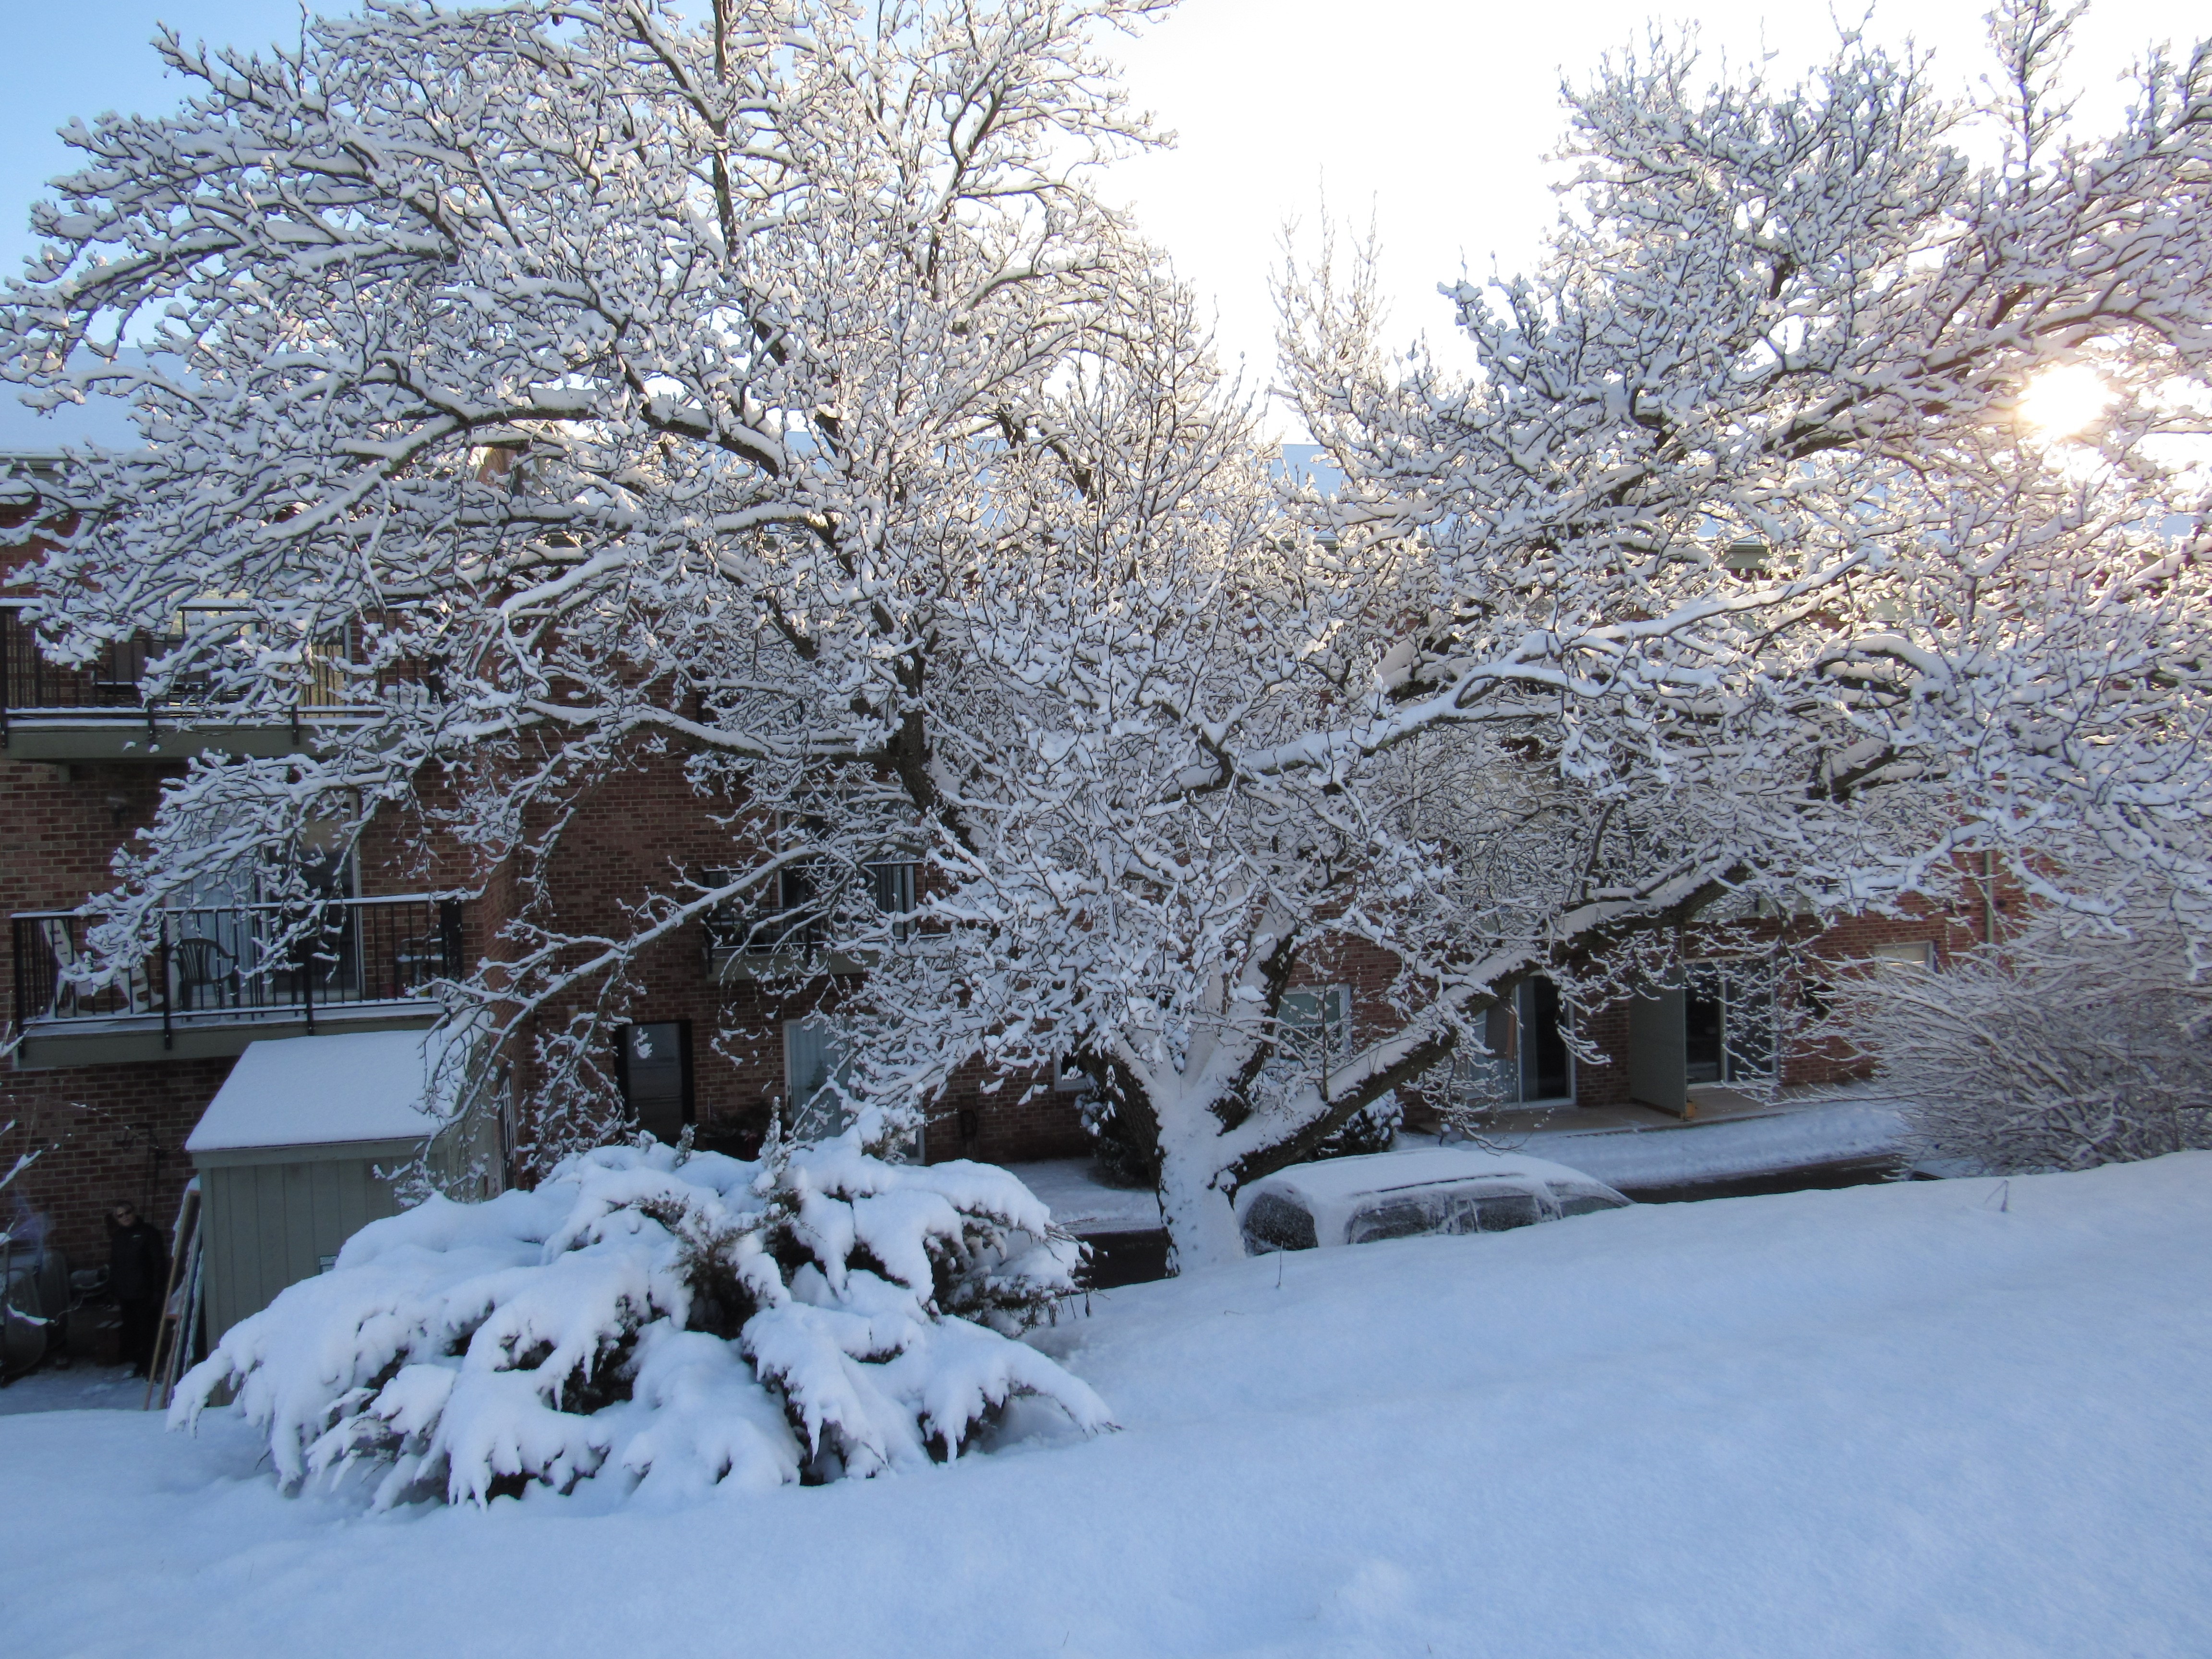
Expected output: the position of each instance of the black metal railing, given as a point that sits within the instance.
(242, 963)
(793, 922)
(109, 687)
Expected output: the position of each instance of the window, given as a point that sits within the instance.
(1316, 1024)
(786, 913)
(816, 1060)
(227, 929)
(1917, 953)
(891, 886)
(654, 1069)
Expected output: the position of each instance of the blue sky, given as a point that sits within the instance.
(80, 58)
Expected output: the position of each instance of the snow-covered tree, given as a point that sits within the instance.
(663, 1318)
(573, 386)
(2067, 1045)
(1747, 565)
(776, 395)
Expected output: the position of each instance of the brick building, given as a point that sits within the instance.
(111, 1083)
(114, 1082)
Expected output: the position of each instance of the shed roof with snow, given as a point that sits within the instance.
(347, 1095)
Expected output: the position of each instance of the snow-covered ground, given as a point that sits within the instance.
(1082, 1203)
(1947, 1418)
(79, 1388)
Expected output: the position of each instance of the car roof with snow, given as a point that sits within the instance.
(1441, 1189)
(1340, 1180)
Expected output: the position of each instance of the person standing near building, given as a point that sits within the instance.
(137, 1274)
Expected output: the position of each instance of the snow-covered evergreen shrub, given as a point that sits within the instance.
(1369, 1129)
(2056, 1053)
(674, 1318)
(1121, 1160)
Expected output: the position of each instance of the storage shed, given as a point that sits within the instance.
(288, 1153)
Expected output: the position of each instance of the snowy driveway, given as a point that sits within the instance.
(1942, 1418)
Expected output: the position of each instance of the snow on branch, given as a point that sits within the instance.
(556, 395)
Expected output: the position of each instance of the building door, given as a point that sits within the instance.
(1729, 1022)
(1529, 1060)
(1705, 1047)
(1716, 1026)
(1658, 1062)
(655, 1074)
(1547, 1069)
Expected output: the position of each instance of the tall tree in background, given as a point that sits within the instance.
(578, 385)
(1762, 556)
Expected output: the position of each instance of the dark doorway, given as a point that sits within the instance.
(1544, 1073)
(654, 1067)
(1703, 1057)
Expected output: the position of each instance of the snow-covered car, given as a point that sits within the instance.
(1443, 1189)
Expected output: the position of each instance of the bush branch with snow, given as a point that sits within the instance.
(2065, 1047)
(675, 1319)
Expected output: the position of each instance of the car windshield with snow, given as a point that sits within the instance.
(1444, 1189)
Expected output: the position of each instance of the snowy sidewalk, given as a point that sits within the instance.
(1727, 1141)
(81, 1388)
(1083, 1204)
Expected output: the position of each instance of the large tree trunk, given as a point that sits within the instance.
(1201, 1223)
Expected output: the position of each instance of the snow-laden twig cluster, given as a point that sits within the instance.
(652, 1315)
(2063, 1048)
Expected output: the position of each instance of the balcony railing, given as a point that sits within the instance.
(233, 964)
(109, 687)
(792, 926)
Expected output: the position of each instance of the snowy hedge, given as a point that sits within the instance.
(2064, 1049)
(672, 1318)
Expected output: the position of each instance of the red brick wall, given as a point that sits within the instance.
(59, 826)
(1025, 1118)
(635, 833)
(112, 1132)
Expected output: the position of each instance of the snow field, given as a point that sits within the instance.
(1943, 1418)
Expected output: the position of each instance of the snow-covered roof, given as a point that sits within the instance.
(321, 1091)
(1338, 1180)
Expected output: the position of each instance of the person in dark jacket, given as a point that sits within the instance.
(137, 1274)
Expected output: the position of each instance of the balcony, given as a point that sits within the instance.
(220, 977)
(98, 712)
(784, 939)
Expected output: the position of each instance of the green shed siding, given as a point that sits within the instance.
(270, 1225)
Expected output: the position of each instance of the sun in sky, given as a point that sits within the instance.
(2063, 401)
